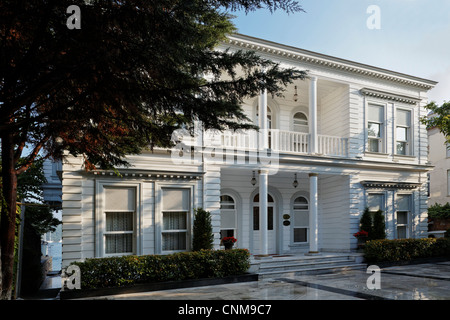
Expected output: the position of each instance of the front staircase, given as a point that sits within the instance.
(300, 264)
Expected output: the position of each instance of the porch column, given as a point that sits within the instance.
(262, 121)
(313, 216)
(314, 145)
(263, 189)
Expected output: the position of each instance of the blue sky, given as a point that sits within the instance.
(414, 35)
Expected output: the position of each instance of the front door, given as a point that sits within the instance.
(271, 228)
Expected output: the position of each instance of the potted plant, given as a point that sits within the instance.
(362, 238)
(228, 242)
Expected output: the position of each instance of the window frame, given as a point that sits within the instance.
(409, 133)
(408, 212)
(100, 217)
(159, 186)
(229, 210)
(294, 226)
(382, 129)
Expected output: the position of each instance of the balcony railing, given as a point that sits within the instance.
(282, 141)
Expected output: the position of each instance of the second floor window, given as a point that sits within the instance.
(375, 130)
(403, 132)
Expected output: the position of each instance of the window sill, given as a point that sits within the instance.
(376, 154)
(404, 157)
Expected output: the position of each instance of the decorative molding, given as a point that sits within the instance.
(145, 174)
(293, 53)
(389, 96)
(390, 185)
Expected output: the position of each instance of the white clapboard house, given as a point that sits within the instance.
(346, 138)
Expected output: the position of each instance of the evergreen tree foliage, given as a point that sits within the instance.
(202, 231)
(366, 222)
(379, 226)
(132, 74)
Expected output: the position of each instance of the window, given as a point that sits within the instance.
(301, 220)
(119, 215)
(403, 216)
(269, 212)
(300, 122)
(375, 130)
(175, 219)
(375, 202)
(227, 216)
(403, 132)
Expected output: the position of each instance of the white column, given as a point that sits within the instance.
(314, 147)
(262, 121)
(313, 216)
(263, 189)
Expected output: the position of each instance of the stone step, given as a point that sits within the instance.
(298, 265)
(306, 265)
(313, 271)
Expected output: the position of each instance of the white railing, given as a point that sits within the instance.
(282, 141)
(289, 141)
(332, 146)
(240, 139)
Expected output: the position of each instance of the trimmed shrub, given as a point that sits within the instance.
(406, 249)
(203, 236)
(129, 270)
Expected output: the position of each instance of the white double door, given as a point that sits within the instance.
(271, 229)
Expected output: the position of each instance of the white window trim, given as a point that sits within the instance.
(100, 219)
(159, 211)
(383, 128)
(292, 219)
(234, 211)
(410, 138)
(408, 216)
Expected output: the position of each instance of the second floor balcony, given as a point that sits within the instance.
(281, 141)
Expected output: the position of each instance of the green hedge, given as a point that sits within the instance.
(128, 270)
(406, 249)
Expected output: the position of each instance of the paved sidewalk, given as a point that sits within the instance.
(428, 281)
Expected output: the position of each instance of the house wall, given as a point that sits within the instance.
(342, 112)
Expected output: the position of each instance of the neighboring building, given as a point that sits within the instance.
(347, 137)
(439, 177)
(52, 190)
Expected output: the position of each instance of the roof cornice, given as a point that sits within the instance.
(389, 96)
(293, 53)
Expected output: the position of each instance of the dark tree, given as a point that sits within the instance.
(125, 81)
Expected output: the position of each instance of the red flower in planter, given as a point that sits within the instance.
(361, 234)
(230, 240)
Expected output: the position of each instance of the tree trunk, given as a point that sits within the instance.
(8, 215)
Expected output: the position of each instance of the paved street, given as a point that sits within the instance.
(428, 281)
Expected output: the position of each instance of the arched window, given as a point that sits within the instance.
(227, 216)
(300, 122)
(301, 220)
